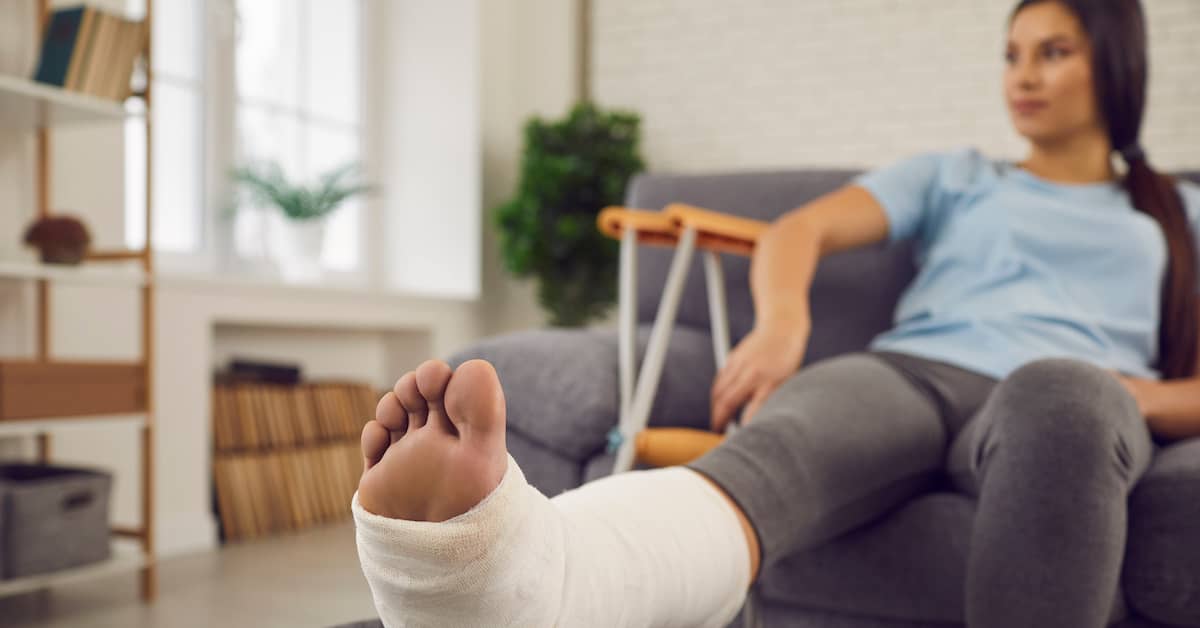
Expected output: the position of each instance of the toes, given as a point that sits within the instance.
(375, 441)
(391, 414)
(432, 378)
(411, 400)
(475, 400)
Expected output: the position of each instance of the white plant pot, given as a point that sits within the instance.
(298, 246)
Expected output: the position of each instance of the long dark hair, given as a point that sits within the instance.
(1117, 29)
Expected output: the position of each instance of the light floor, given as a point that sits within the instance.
(307, 579)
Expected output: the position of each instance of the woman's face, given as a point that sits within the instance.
(1048, 75)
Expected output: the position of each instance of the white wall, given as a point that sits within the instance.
(776, 84)
(530, 67)
(423, 103)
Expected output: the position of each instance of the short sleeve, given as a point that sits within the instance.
(904, 189)
(1191, 206)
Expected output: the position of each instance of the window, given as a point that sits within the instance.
(179, 164)
(298, 64)
(289, 92)
(246, 80)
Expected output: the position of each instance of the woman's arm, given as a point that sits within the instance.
(1172, 407)
(781, 273)
(785, 260)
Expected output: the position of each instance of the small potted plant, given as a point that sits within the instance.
(571, 169)
(59, 239)
(304, 210)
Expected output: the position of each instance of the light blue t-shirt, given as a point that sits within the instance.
(1013, 267)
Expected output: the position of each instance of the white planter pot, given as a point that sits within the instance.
(298, 246)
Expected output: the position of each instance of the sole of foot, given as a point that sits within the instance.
(436, 447)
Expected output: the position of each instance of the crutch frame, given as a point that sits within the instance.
(685, 228)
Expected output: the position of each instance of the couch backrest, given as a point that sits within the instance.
(854, 293)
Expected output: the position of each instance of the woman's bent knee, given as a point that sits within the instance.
(1068, 412)
(1067, 393)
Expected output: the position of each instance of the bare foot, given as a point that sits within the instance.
(436, 447)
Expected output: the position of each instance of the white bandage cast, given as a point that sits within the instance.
(647, 548)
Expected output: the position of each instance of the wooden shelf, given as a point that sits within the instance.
(40, 396)
(127, 556)
(90, 273)
(33, 427)
(28, 104)
(37, 389)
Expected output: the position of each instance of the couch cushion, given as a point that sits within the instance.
(561, 387)
(908, 565)
(853, 294)
(777, 615)
(547, 470)
(1162, 563)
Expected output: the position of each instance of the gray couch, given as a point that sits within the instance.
(907, 568)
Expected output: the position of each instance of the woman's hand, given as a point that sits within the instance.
(1139, 389)
(768, 355)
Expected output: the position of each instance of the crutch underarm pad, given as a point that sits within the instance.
(652, 227)
(717, 231)
(666, 446)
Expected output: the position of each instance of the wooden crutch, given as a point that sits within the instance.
(685, 228)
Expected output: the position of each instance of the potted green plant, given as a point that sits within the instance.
(571, 169)
(303, 210)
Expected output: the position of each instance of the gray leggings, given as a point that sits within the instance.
(1050, 453)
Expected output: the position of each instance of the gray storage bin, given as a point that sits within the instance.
(53, 518)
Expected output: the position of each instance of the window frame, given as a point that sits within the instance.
(220, 104)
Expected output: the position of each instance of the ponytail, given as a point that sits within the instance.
(1158, 197)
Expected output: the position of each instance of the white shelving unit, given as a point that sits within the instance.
(37, 108)
(28, 104)
(107, 274)
(126, 556)
(33, 427)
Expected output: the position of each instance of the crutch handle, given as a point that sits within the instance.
(716, 231)
(666, 446)
(652, 227)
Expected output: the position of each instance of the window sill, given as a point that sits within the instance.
(322, 290)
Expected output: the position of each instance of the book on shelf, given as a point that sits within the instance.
(58, 44)
(243, 369)
(91, 51)
(286, 457)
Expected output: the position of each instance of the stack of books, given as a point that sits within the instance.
(90, 51)
(286, 457)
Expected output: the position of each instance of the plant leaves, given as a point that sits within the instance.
(571, 168)
(267, 184)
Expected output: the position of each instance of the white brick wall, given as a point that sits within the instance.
(795, 83)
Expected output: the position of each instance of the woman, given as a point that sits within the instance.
(1050, 334)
